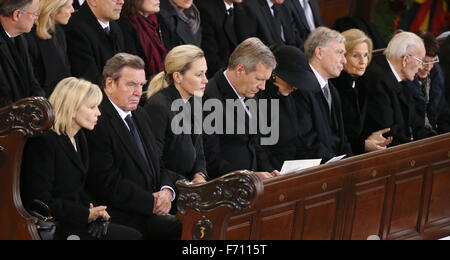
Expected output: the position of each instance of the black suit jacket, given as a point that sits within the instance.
(17, 78)
(88, 46)
(182, 153)
(258, 22)
(390, 105)
(175, 31)
(56, 174)
(299, 17)
(230, 152)
(218, 42)
(49, 58)
(322, 134)
(119, 176)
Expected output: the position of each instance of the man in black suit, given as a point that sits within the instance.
(227, 149)
(306, 14)
(219, 37)
(93, 37)
(269, 20)
(125, 172)
(320, 112)
(17, 79)
(390, 103)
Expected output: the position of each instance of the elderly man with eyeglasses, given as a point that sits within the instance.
(428, 89)
(17, 80)
(389, 101)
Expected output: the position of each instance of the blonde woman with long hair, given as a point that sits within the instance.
(184, 77)
(47, 43)
(56, 165)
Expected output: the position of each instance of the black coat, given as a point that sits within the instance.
(182, 153)
(175, 31)
(437, 110)
(49, 58)
(56, 174)
(299, 17)
(88, 46)
(119, 176)
(17, 80)
(353, 109)
(322, 134)
(218, 40)
(289, 145)
(390, 105)
(259, 21)
(230, 152)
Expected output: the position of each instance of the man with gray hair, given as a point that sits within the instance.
(389, 101)
(17, 79)
(321, 121)
(249, 67)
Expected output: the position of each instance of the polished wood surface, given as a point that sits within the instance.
(399, 193)
(19, 121)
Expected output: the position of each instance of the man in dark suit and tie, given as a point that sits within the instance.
(269, 20)
(17, 79)
(228, 150)
(125, 171)
(390, 103)
(219, 37)
(320, 112)
(93, 37)
(306, 14)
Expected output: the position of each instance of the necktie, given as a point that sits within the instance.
(229, 26)
(309, 15)
(107, 30)
(278, 27)
(326, 93)
(134, 132)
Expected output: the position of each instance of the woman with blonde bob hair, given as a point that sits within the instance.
(47, 43)
(55, 166)
(184, 77)
(359, 49)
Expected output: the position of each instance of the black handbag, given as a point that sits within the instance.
(44, 222)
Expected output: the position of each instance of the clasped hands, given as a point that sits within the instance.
(162, 202)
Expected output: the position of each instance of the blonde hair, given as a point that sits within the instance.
(354, 37)
(179, 59)
(46, 22)
(67, 98)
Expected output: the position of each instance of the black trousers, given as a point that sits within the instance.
(158, 227)
(115, 232)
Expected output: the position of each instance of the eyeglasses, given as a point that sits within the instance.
(431, 62)
(35, 14)
(421, 62)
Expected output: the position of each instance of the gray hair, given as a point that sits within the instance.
(250, 53)
(114, 66)
(321, 37)
(8, 7)
(402, 44)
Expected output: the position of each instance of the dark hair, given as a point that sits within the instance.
(130, 8)
(114, 66)
(7, 7)
(431, 44)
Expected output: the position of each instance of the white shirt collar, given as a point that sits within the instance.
(81, 2)
(235, 91)
(393, 70)
(102, 24)
(270, 3)
(322, 82)
(227, 6)
(122, 113)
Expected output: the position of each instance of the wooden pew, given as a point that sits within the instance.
(400, 193)
(19, 121)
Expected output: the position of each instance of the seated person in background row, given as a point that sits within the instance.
(47, 43)
(428, 89)
(17, 79)
(226, 149)
(126, 172)
(306, 14)
(353, 95)
(390, 103)
(183, 80)
(319, 110)
(55, 165)
(290, 75)
(93, 37)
